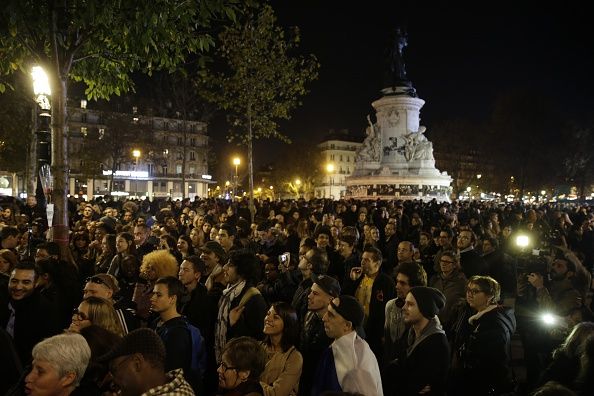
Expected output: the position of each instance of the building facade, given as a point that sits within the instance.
(145, 153)
(338, 154)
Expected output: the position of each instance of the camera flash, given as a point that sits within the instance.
(549, 319)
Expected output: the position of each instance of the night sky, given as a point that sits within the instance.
(459, 58)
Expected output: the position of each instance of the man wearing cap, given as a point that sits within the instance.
(195, 301)
(348, 365)
(313, 336)
(137, 365)
(106, 286)
(423, 367)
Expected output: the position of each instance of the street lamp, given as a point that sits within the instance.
(330, 169)
(42, 91)
(136, 155)
(236, 162)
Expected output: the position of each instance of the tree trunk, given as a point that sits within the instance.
(251, 164)
(31, 167)
(60, 162)
(184, 153)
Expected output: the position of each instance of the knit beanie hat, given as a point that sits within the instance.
(429, 300)
(350, 309)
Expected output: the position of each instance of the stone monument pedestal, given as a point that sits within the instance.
(396, 160)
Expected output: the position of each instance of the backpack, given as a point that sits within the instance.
(198, 364)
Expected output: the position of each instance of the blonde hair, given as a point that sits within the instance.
(163, 262)
(103, 314)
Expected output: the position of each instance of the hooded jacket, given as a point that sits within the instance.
(485, 354)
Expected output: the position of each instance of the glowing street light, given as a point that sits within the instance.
(298, 182)
(236, 162)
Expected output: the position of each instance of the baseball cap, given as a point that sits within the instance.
(328, 284)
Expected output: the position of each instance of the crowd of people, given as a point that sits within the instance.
(313, 297)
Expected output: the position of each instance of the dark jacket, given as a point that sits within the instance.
(472, 263)
(195, 308)
(484, 357)
(251, 321)
(382, 291)
(300, 297)
(453, 288)
(35, 319)
(426, 362)
(389, 249)
(313, 343)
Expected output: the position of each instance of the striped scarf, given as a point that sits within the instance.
(228, 296)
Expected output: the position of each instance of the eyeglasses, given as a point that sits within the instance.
(225, 367)
(79, 315)
(473, 291)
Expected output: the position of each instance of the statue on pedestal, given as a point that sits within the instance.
(397, 66)
(370, 151)
(417, 147)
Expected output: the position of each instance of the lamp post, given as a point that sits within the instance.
(136, 155)
(297, 184)
(330, 170)
(227, 184)
(236, 162)
(42, 91)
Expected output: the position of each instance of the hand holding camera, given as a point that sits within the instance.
(356, 273)
(536, 280)
(284, 261)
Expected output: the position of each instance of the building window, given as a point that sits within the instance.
(193, 142)
(84, 131)
(83, 103)
(180, 155)
(348, 158)
(192, 169)
(332, 157)
(150, 168)
(192, 156)
(340, 157)
(332, 146)
(178, 169)
(180, 141)
(165, 170)
(101, 133)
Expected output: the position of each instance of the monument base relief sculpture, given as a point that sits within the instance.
(396, 159)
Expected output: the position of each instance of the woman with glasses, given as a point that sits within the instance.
(450, 281)
(482, 334)
(283, 368)
(242, 362)
(95, 311)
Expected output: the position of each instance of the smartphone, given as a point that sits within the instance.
(284, 258)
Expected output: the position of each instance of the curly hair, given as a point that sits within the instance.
(161, 261)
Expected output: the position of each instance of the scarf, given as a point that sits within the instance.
(229, 294)
(216, 271)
